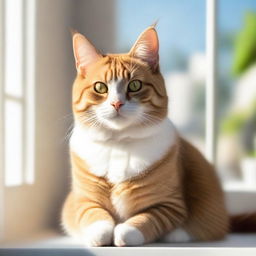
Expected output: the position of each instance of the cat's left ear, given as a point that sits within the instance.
(85, 53)
(146, 48)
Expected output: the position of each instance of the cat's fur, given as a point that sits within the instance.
(134, 179)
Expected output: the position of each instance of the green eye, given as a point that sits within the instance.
(100, 87)
(134, 86)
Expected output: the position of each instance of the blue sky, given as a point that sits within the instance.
(231, 13)
(181, 25)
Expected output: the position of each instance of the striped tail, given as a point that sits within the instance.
(245, 223)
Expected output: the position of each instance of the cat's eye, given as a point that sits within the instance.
(100, 87)
(134, 86)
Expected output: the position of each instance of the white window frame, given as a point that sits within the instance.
(27, 100)
(211, 79)
(1, 121)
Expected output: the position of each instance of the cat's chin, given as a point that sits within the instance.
(118, 123)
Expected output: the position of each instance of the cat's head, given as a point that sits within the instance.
(119, 91)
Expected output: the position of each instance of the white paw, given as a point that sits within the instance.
(178, 235)
(98, 233)
(125, 235)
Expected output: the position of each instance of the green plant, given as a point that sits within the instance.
(236, 123)
(252, 154)
(245, 45)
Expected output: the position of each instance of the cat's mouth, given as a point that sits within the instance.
(117, 116)
(117, 120)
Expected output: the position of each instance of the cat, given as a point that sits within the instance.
(134, 178)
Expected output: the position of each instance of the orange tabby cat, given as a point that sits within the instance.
(134, 179)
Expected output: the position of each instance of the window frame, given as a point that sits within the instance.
(211, 79)
(27, 101)
(1, 120)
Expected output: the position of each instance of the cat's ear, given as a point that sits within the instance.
(85, 53)
(146, 48)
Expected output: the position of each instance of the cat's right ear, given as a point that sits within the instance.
(85, 53)
(146, 48)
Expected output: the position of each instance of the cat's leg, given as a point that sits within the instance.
(96, 226)
(149, 225)
(88, 222)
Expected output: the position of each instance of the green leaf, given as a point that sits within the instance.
(233, 123)
(245, 45)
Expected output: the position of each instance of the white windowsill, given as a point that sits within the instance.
(239, 186)
(234, 244)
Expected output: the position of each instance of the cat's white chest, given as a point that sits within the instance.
(121, 160)
(119, 164)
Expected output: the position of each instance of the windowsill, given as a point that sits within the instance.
(52, 240)
(239, 186)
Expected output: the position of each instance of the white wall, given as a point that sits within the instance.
(97, 20)
(54, 75)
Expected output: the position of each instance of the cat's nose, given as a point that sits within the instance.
(117, 104)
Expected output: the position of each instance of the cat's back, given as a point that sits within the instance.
(197, 169)
(193, 161)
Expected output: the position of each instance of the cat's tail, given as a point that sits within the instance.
(243, 223)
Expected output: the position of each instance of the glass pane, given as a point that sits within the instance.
(13, 143)
(181, 29)
(237, 93)
(13, 47)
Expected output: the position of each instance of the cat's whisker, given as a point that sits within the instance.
(96, 123)
(65, 117)
(150, 116)
(155, 117)
(149, 120)
(68, 133)
(144, 122)
(91, 121)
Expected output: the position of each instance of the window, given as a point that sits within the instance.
(236, 94)
(17, 102)
(18, 92)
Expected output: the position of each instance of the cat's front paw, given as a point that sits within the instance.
(98, 233)
(125, 235)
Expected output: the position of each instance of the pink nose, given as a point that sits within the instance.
(117, 105)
